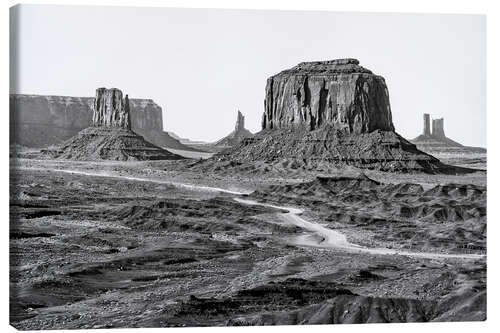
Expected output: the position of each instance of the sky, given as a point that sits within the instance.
(202, 65)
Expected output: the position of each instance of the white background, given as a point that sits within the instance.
(423, 6)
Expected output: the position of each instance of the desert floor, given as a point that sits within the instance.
(154, 244)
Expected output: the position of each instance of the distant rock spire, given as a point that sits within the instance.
(240, 122)
(438, 128)
(437, 142)
(427, 125)
(236, 136)
(110, 109)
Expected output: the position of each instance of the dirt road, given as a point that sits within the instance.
(330, 238)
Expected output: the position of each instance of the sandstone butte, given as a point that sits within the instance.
(340, 93)
(111, 109)
(325, 114)
(110, 137)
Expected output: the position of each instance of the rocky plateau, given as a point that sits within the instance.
(38, 121)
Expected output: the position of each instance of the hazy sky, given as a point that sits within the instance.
(202, 65)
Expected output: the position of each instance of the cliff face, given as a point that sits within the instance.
(41, 121)
(336, 92)
(110, 109)
(145, 115)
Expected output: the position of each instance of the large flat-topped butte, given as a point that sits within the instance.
(336, 92)
(324, 114)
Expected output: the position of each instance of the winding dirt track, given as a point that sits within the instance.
(336, 240)
(139, 179)
(331, 238)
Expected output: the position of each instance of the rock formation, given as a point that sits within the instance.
(236, 136)
(40, 121)
(437, 142)
(240, 122)
(110, 137)
(427, 124)
(319, 115)
(438, 128)
(337, 92)
(110, 109)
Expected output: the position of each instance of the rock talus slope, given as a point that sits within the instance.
(326, 147)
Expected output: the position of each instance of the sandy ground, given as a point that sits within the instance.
(190, 154)
(153, 244)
